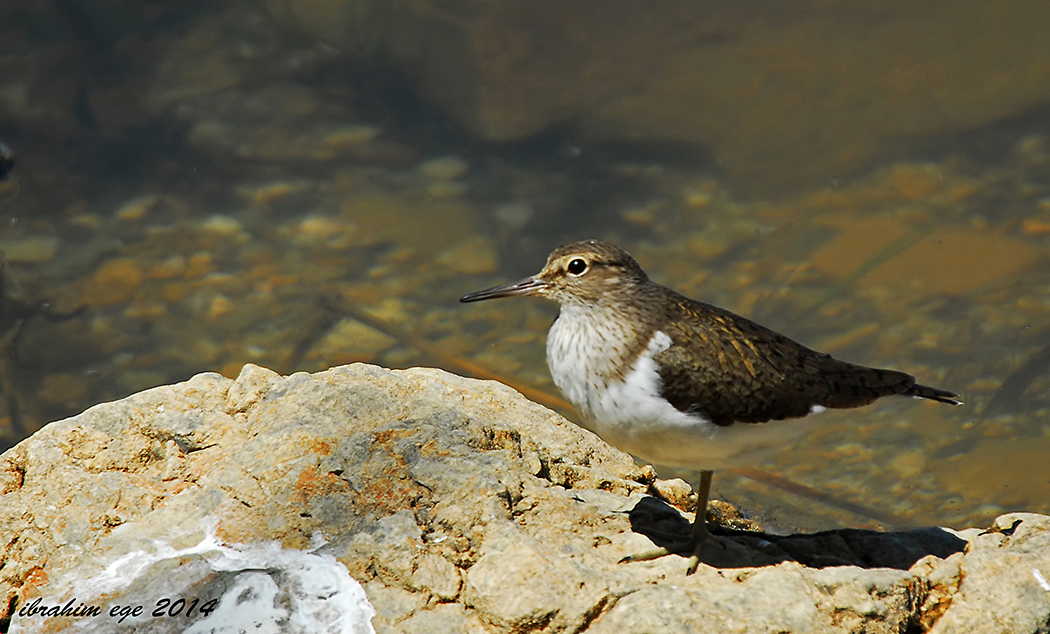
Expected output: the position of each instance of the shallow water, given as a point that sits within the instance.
(236, 209)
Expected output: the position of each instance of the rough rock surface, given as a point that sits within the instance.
(458, 505)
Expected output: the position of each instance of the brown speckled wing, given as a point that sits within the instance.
(733, 370)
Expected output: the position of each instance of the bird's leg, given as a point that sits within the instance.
(699, 533)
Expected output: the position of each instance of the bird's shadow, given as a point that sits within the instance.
(665, 526)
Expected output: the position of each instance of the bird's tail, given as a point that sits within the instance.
(934, 394)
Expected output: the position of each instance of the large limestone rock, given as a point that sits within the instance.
(309, 503)
(782, 92)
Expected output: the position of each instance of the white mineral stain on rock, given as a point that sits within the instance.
(260, 587)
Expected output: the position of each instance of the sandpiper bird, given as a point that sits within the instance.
(681, 383)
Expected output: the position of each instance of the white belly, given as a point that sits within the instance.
(631, 415)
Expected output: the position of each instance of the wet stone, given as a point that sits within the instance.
(473, 256)
(352, 340)
(114, 282)
(30, 249)
(445, 168)
(221, 224)
(137, 208)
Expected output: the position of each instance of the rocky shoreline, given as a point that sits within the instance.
(436, 503)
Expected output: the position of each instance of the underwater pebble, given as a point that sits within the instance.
(30, 249)
(1033, 145)
(916, 181)
(854, 450)
(189, 72)
(427, 227)
(137, 208)
(211, 134)
(270, 192)
(325, 231)
(63, 389)
(200, 264)
(321, 227)
(194, 348)
(989, 510)
(220, 306)
(447, 189)
(1036, 226)
(146, 308)
(350, 135)
(393, 310)
(514, 215)
(908, 464)
(445, 168)
(174, 292)
(698, 199)
(508, 362)
(221, 224)
(472, 256)
(169, 268)
(138, 380)
(114, 282)
(352, 341)
(642, 216)
(379, 271)
(400, 357)
(705, 245)
(398, 256)
(950, 261)
(86, 221)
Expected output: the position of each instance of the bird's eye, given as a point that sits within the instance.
(577, 266)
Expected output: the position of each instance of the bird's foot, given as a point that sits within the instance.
(698, 537)
(694, 547)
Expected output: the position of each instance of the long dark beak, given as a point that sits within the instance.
(527, 286)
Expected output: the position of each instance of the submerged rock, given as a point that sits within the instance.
(455, 504)
(783, 95)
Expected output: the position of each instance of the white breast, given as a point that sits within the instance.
(583, 350)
